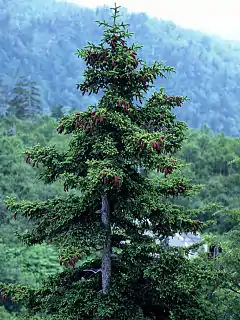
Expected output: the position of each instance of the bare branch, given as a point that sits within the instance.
(233, 290)
(93, 270)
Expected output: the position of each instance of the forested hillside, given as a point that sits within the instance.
(207, 155)
(39, 39)
(91, 194)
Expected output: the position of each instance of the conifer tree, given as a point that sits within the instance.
(57, 111)
(26, 99)
(111, 235)
(3, 98)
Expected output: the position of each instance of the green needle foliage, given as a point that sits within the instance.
(26, 100)
(106, 231)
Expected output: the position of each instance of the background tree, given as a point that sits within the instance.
(19, 263)
(4, 92)
(57, 111)
(228, 296)
(108, 233)
(209, 155)
(26, 99)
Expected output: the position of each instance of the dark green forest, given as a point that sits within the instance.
(39, 71)
(39, 38)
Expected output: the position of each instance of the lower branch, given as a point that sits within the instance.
(92, 270)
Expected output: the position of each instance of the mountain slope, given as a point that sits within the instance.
(39, 40)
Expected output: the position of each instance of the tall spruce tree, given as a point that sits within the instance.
(111, 234)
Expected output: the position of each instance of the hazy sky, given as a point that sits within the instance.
(218, 17)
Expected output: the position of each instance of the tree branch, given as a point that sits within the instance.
(93, 270)
(233, 290)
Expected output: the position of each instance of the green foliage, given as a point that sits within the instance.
(227, 297)
(4, 315)
(27, 269)
(99, 171)
(17, 263)
(3, 99)
(28, 265)
(57, 111)
(32, 45)
(21, 180)
(26, 100)
(212, 158)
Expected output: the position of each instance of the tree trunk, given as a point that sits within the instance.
(166, 242)
(106, 255)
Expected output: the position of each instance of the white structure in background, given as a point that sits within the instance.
(184, 240)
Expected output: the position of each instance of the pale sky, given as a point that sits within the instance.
(218, 17)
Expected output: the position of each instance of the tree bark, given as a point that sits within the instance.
(106, 255)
